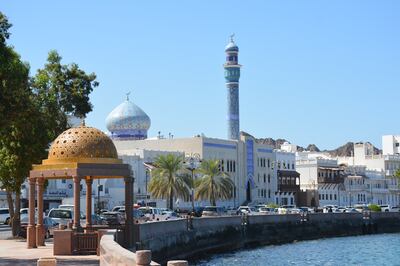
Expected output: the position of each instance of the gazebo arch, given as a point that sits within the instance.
(79, 153)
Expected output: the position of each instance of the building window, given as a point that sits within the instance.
(63, 181)
(269, 193)
(397, 144)
(269, 178)
(234, 166)
(269, 164)
(335, 197)
(265, 178)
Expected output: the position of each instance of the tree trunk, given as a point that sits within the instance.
(213, 203)
(16, 220)
(171, 199)
(10, 204)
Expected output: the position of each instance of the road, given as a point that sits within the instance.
(5, 231)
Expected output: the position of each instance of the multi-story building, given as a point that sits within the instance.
(288, 187)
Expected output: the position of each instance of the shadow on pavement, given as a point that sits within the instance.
(63, 262)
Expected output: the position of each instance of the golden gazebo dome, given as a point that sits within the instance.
(82, 144)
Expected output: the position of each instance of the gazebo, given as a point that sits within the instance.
(79, 153)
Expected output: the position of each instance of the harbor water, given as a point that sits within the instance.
(357, 250)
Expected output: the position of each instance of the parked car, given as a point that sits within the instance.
(152, 213)
(339, 209)
(139, 216)
(66, 206)
(295, 211)
(211, 211)
(97, 220)
(4, 216)
(64, 216)
(198, 211)
(116, 208)
(329, 208)
(285, 209)
(361, 207)
(246, 210)
(170, 215)
(113, 218)
(49, 226)
(231, 211)
(386, 208)
(266, 210)
(351, 210)
(307, 209)
(395, 209)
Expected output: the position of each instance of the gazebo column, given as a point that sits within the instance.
(31, 234)
(40, 230)
(89, 182)
(77, 202)
(129, 210)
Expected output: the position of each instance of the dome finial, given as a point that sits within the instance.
(127, 95)
(231, 37)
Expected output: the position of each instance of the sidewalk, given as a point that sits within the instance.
(14, 252)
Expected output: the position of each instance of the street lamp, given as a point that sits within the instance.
(191, 165)
(98, 196)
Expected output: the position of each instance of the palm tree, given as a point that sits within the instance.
(168, 179)
(214, 184)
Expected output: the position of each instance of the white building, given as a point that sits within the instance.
(391, 145)
(288, 179)
(363, 178)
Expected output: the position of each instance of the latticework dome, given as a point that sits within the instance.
(82, 143)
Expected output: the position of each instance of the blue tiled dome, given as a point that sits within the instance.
(128, 121)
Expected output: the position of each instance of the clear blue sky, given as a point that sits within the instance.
(322, 72)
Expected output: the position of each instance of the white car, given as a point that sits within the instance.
(266, 210)
(247, 210)
(307, 209)
(388, 208)
(286, 209)
(170, 215)
(63, 216)
(329, 208)
(117, 208)
(4, 216)
(339, 210)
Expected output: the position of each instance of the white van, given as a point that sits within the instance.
(154, 214)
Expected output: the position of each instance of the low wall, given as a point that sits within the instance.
(111, 253)
(182, 239)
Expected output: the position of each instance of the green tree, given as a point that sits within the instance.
(169, 179)
(34, 112)
(13, 78)
(214, 183)
(62, 90)
(397, 175)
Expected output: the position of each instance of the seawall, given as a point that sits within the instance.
(185, 239)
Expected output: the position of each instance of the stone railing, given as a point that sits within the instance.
(111, 253)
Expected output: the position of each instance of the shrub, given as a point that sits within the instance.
(272, 205)
(374, 208)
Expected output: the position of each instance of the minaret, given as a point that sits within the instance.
(232, 75)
